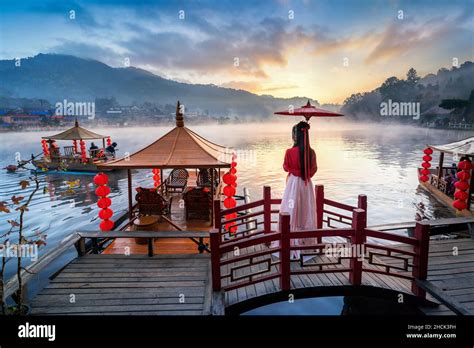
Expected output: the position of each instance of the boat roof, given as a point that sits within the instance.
(461, 147)
(76, 133)
(179, 148)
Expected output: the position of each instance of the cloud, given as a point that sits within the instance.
(400, 38)
(234, 48)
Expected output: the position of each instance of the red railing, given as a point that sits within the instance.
(251, 248)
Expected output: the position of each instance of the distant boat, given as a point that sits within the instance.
(439, 184)
(76, 157)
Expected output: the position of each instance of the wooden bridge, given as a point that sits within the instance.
(252, 267)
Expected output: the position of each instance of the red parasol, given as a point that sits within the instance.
(309, 111)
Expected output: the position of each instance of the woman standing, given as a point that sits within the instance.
(298, 199)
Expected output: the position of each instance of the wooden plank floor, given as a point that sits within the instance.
(129, 285)
(164, 245)
(454, 273)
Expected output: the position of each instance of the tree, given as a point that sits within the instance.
(450, 104)
(390, 89)
(24, 240)
(412, 77)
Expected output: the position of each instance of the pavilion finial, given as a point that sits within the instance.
(76, 123)
(179, 115)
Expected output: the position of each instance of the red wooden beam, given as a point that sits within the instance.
(339, 205)
(359, 223)
(267, 207)
(422, 234)
(215, 238)
(242, 207)
(319, 193)
(391, 236)
(285, 278)
(217, 214)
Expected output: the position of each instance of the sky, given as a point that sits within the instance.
(325, 50)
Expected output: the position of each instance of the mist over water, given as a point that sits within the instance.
(377, 160)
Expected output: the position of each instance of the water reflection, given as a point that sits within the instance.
(378, 161)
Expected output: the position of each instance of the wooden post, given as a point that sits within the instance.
(359, 223)
(420, 261)
(217, 215)
(130, 204)
(471, 187)
(81, 247)
(319, 192)
(362, 203)
(150, 247)
(212, 193)
(440, 168)
(267, 209)
(319, 196)
(161, 178)
(285, 262)
(215, 238)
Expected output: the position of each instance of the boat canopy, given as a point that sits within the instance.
(179, 148)
(76, 133)
(462, 147)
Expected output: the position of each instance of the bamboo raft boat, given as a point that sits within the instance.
(72, 159)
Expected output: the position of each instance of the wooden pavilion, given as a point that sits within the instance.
(179, 149)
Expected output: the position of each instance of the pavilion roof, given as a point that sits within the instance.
(179, 148)
(76, 133)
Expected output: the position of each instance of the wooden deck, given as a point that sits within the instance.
(129, 285)
(165, 245)
(113, 284)
(453, 274)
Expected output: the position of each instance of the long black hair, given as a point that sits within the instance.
(301, 140)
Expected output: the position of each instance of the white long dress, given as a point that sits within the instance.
(299, 201)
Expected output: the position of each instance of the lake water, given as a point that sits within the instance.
(377, 160)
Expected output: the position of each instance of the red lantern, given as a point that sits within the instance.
(233, 164)
(106, 213)
(83, 151)
(231, 216)
(106, 225)
(427, 158)
(74, 143)
(426, 165)
(156, 177)
(229, 202)
(461, 195)
(229, 191)
(425, 171)
(229, 178)
(462, 185)
(463, 175)
(459, 205)
(424, 178)
(233, 171)
(109, 141)
(102, 191)
(104, 202)
(231, 227)
(101, 179)
(428, 151)
(465, 165)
